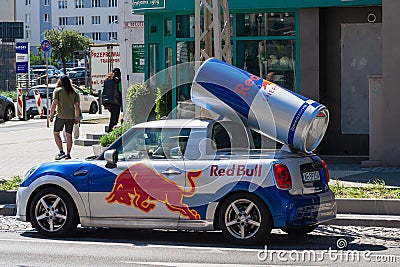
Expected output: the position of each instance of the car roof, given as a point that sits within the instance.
(174, 123)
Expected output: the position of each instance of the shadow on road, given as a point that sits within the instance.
(320, 239)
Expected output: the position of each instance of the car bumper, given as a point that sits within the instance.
(299, 210)
(22, 203)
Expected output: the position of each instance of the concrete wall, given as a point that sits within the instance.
(331, 19)
(391, 82)
(309, 52)
(7, 10)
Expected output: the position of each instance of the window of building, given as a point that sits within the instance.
(95, 20)
(96, 36)
(266, 44)
(46, 17)
(46, 2)
(266, 24)
(79, 20)
(27, 2)
(112, 36)
(112, 3)
(95, 3)
(62, 4)
(79, 4)
(27, 18)
(62, 21)
(28, 34)
(113, 19)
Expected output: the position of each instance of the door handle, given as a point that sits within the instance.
(81, 173)
(171, 171)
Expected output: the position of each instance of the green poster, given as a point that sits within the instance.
(138, 58)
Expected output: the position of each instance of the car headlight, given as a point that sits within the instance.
(29, 173)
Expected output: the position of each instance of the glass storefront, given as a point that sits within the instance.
(263, 43)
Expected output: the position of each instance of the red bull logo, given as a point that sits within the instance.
(141, 186)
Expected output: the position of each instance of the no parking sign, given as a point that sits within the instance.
(45, 45)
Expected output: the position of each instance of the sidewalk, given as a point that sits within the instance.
(24, 144)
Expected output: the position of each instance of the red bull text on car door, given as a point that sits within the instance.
(264, 106)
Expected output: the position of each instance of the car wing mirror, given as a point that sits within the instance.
(111, 156)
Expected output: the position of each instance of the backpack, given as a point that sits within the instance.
(108, 95)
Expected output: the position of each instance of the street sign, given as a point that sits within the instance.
(45, 45)
(138, 58)
(22, 57)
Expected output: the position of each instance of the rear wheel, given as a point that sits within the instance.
(9, 113)
(93, 108)
(299, 231)
(53, 213)
(245, 219)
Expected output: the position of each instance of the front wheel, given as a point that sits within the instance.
(53, 213)
(9, 114)
(245, 219)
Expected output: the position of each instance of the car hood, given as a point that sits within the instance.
(74, 171)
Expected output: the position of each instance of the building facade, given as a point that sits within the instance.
(97, 19)
(324, 50)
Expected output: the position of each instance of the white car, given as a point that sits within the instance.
(88, 103)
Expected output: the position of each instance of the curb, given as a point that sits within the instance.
(8, 209)
(365, 220)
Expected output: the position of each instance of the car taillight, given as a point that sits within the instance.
(282, 176)
(326, 171)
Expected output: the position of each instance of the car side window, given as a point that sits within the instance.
(155, 144)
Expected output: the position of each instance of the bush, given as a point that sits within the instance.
(135, 91)
(12, 184)
(116, 132)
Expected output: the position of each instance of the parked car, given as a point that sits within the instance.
(88, 103)
(78, 77)
(182, 174)
(7, 108)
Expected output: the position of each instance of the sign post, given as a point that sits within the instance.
(45, 46)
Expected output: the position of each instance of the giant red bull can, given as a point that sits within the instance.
(263, 106)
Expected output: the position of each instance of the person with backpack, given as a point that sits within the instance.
(112, 97)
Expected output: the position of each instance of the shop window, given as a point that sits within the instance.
(168, 27)
(266, 24)
(269, 56)
(185, 26)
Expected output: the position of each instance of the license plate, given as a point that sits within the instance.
(311, 176)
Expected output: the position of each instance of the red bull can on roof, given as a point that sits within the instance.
(263, 106)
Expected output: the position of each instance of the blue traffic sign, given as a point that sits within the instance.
(45, 45)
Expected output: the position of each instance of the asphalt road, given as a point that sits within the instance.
(111, 247)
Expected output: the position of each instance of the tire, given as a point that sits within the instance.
(300, 231)
(52, 221)
(93, 108)
(9, 114)
(242, 226)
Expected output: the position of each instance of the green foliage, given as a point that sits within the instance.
(160, 105)
(11, 94)
(135, 91)
(377, 189)
(116, 132)
(11, 184)
(65, 42)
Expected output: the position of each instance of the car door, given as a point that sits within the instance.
(147, 183)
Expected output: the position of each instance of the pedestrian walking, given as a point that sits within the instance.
(66, 104)
(112, 96)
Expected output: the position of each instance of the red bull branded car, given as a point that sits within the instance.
(195, 174)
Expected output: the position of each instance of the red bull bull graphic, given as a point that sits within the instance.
(265, 107)
(141, 186)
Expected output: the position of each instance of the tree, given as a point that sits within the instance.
(64, 43)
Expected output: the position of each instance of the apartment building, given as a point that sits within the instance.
(97, 19)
